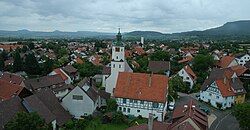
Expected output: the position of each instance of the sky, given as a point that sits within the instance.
(167, 16)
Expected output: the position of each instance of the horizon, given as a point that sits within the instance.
(106, 16)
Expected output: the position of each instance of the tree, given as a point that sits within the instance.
(242, 114)
(88, 69)
(62, 52)
(76, 124)
(202, 62)
(31, 65)
(47, 66)
(178, 85)
(111, 105)
(18, 62)
(160, 56)
(31, 45)
(118, 118)
(1, 63)
(26, 121)
(143, 62)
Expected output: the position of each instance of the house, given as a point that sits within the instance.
(186, 60)
(47, 106)
(159, 67)
(139, 51)
(12, 78)
(95, 59)
(227, 61)
(54, 82)
(84, 99)
(71, 72)
(242, 58)
(65, 77)
(8, 109)
(118, 64)
(140, 94)
(188, 76)
(9, 90)
(222, 89)
(189, 117)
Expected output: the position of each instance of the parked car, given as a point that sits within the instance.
(171, 106)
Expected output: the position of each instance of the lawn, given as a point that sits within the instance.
(96, 124)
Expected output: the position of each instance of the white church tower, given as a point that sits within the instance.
(118, 64)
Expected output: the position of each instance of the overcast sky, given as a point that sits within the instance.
(107, 15)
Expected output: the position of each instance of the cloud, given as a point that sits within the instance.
(106, 15)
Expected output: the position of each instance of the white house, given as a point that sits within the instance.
(222, 87)
(118, 64)
(188, 76)
(242, 59)
(84, 99)
(139, 94)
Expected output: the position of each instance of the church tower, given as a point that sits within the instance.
(118, 63)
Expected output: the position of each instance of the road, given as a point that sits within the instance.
(224, 121)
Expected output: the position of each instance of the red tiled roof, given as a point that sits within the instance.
(239, 70)
(141, 86)
(224, 87)
(79, 61)
(186, 59)
(12, 78)
(8, 47)
(7, 90)
(128, 53)
(139, 50)
(62, 75)
(190, 72)
(225, 61)
(156, 126)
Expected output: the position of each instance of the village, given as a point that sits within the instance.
(115, 84)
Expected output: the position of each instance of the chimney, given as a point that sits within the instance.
(150, 121)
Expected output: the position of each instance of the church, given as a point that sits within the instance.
(118, 64)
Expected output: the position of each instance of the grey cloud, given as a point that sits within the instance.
(106, 15)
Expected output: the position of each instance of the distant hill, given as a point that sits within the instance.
(54, 34)
(237, 28)
(233, 30)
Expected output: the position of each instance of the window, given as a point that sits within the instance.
(121, 49)
(138, 111)
(124, 109)
(117, 49)
(210, 94)
(182, 72)
(135, 101)
(128, 110)
(85, 114)
(113, 65)
(155, 105)
(120, 108)
(142, 102)
(187, 78)
(217, 97)
(116, 57)
(77, 97)
(131, 100)
(120, 66)
(124, 100)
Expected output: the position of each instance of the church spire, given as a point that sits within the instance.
(118, 41)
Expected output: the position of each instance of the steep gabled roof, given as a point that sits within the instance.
(189, 111)
(190, 72)
(61, 73)
(69, 69)
(225, 61)
(141, 86)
